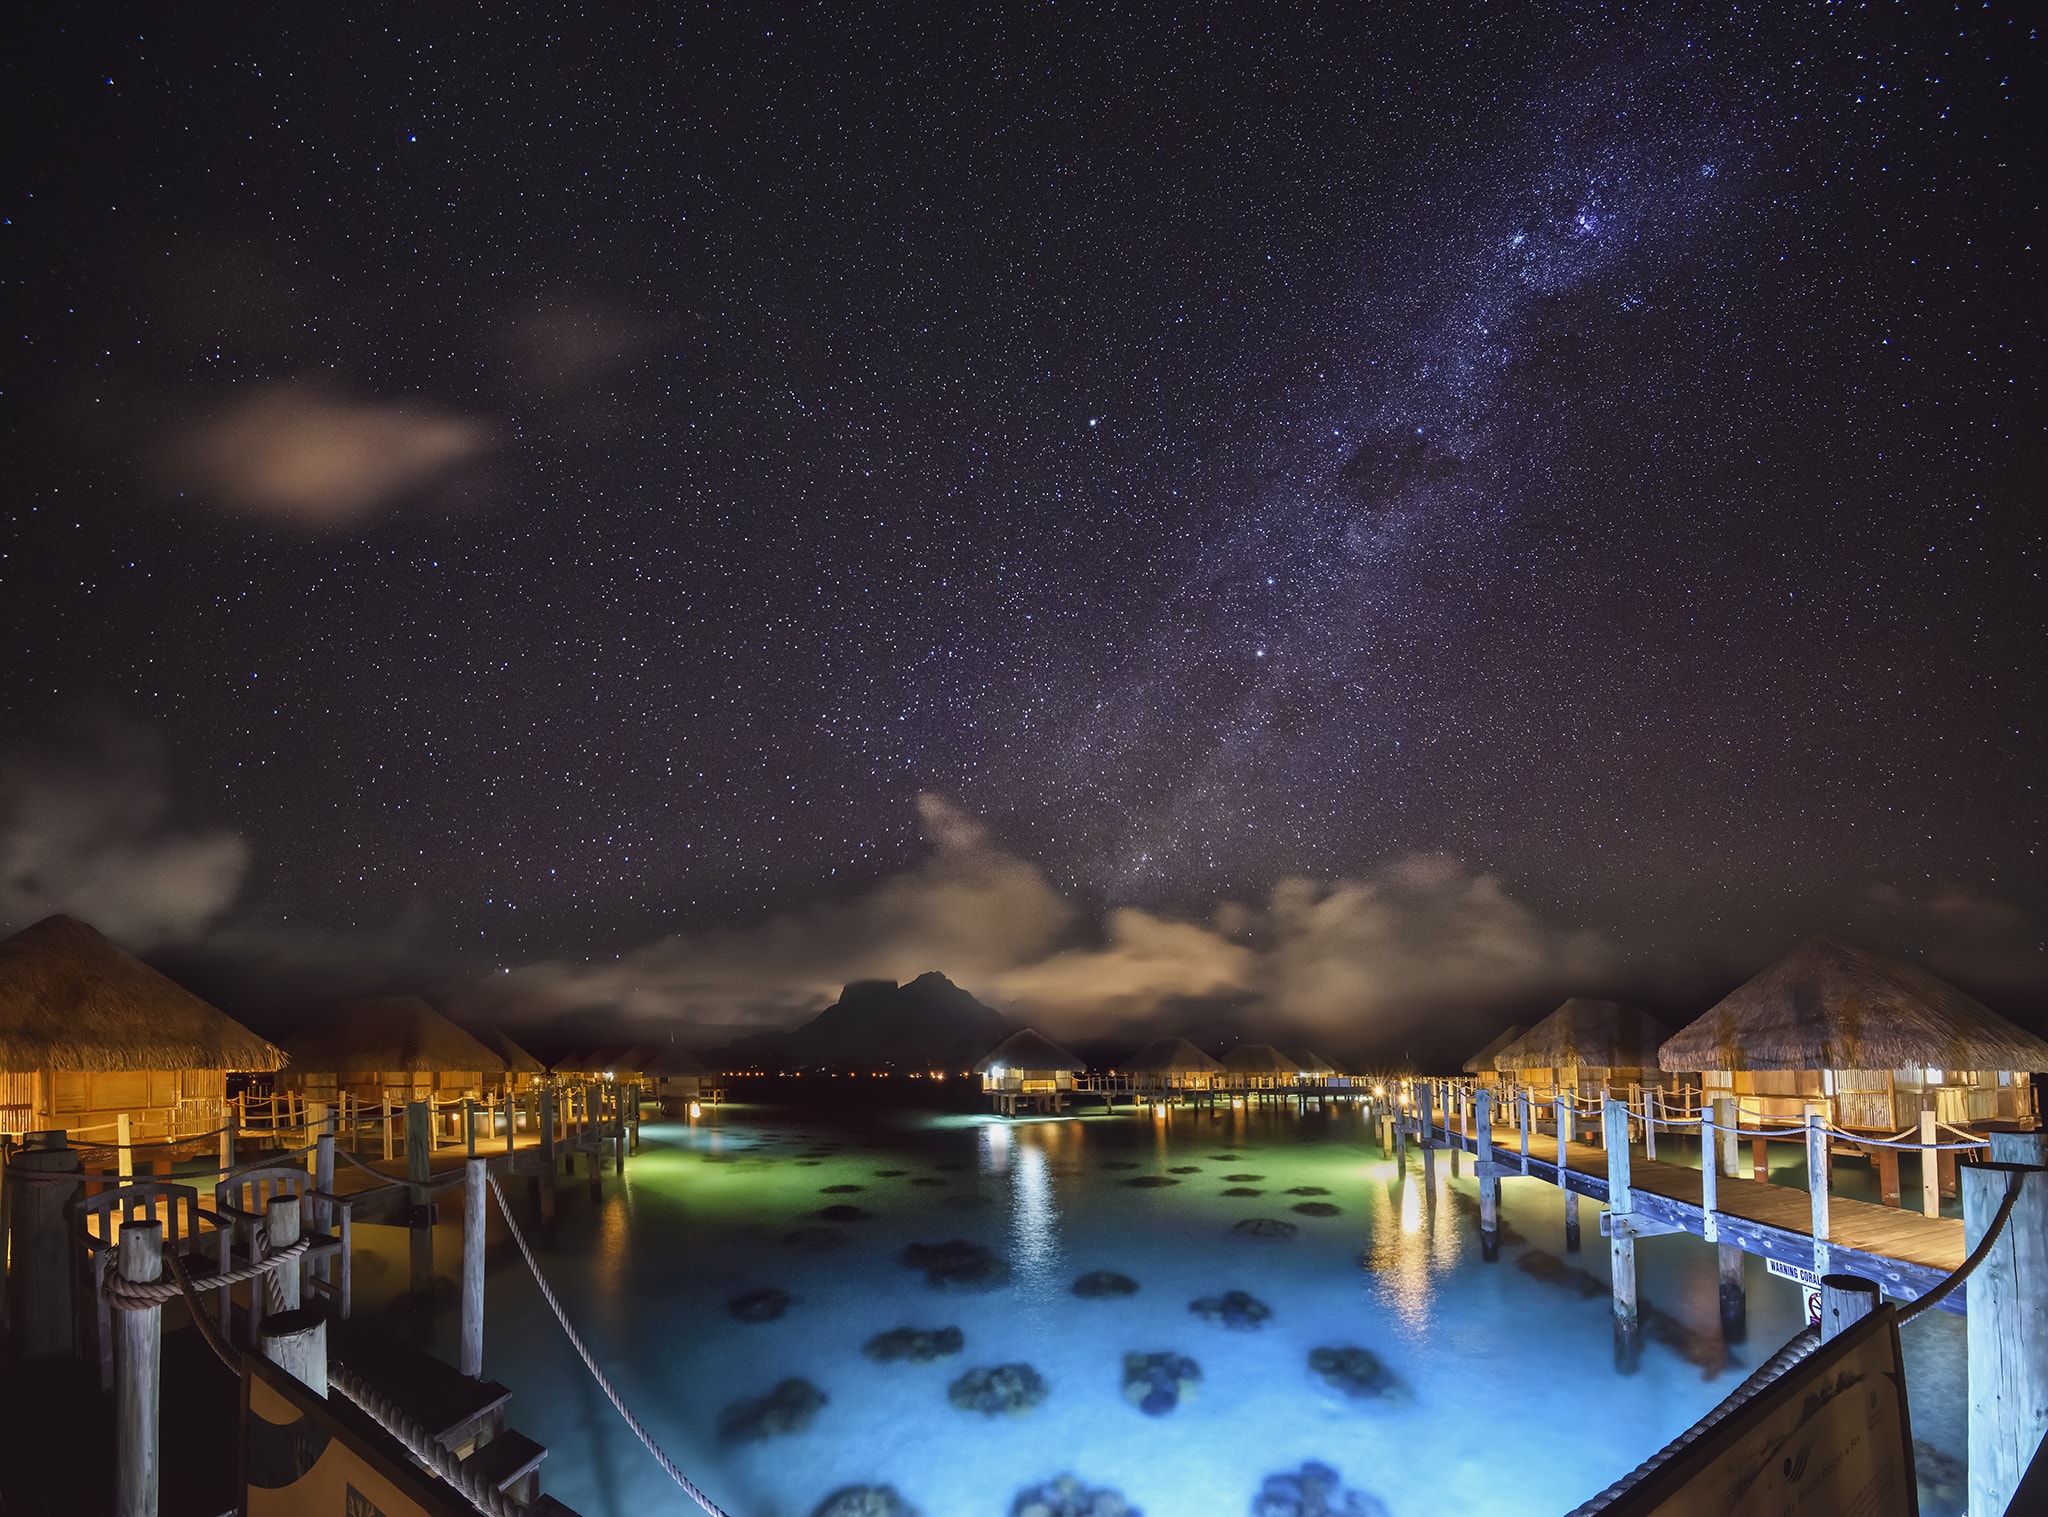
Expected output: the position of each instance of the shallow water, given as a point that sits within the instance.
(1505, 1397)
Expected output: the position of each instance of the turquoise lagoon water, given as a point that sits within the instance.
(1507, 1398)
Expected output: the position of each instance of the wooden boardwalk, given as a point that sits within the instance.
(1907, 1253)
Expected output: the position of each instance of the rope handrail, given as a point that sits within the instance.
(590, 1363)
(2013, 1183)
(418, 1441)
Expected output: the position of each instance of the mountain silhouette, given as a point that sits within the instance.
(931, 1023)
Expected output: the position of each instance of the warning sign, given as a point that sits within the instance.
(1805, 1277)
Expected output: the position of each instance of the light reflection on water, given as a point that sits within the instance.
(648, 1273)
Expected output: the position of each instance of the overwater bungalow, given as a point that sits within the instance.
(1029, 1067)
(1588, 1047)
(1313, 1066)
(1480, 1065)
(1172, 1064)
(1876, 1039)
(90, 1034)
(361, 1054)
(676, 1077)
(1258, 1066)
(523, 1072)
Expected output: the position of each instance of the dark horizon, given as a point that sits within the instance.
(1372, 521)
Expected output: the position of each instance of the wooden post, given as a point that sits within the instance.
(468, 1127)
(475, 1192)
(124, 1152)
(283, 1226)
(1734, 1294)
(547, 1161)
(41, 1247)
(1817, 1183)
(138, 1355)
(419, 1169)
(227, 1136)
(1651, 1103)
(1930, 1171)
(296, 1342)
(511, 1120)
(1522, 1103)
(1428, 1109)
(1710, 1180)
(1845, 1300)
(1727, 1122)
(1489, 1183)
(387, 1124)
(1628, 1343)
(1886, 1161)
(1571, 1197)
(2007, 1324)
(633, 1143)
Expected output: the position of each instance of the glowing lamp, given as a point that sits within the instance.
(696, 1110)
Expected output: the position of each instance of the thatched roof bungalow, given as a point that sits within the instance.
(388, 1046)
(88, 1033)
(1875, 1037)
(1481, 1063)
(1028, 1062)
(522, 1070)
(1258, 1066)
(1587, 1045)
(1173, 1064)
(1314, 1066)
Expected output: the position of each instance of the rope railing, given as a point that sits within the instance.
(2013, 1184)
(590, 1363)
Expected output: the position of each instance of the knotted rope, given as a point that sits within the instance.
(418, 1441)
(141, 1295)
(589, 1363)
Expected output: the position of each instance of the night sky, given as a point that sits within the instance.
(1336, 513)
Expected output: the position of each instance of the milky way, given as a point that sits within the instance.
(535, 493)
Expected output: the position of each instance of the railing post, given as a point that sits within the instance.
(1651, 1102)
(138, 1369)
(1522, 1117)
(469, 1127)
(294, 1338)
(1710, 1179)
(283, 1225)
(124, 1161)
(1817, 1183)
(2007, 1324)
(1621, 1205)
(1845, 1300)
(387, 1124)
(474, 1195)
(1930, 1168)
(42, 1263)
(1564, 1170)
(1427, 1107)
(419, 1168)
(1489, 1182)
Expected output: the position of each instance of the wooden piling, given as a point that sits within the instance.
(1628, 1342)
(124, 1148)
(469, 1127)
(419, 1168)
(283, 1226)
(1734, 1294)
(41, 1249)
(138, 1365)
(296, 1342)
(387, 1125)
(1571, 1197)
(2007, 1324)
(1522, 1118)
(476, 1187)
(1428, 1108)
(547, 1161)
(1489, 1183)
(1930, 1171)
(1845, 1300)
(1817, 1183)
(1727, 1121)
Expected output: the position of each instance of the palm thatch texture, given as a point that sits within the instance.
(1587, 1035)
(71, 1000)
(1831, 1005)
(1259, 1064)
(1481, 1063)
(672, 1061)
(517, 1060)
(1313, 1063)
(1172, 1056)
(1030, 1055)
(1878, 1040)
(387, 1034)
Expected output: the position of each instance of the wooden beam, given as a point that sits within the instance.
(474, 1192)
(2008, 1318)
(138, 1361)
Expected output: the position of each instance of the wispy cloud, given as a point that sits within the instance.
(1361, 956)
(84, 829)
(312, 458)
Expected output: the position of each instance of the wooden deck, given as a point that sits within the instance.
(1907, 1253)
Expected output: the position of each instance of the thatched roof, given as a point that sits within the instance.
(1831, 1005)
(1482, 1061)
(1313, 1063)
(69, 999)
(1172, 1056)
(394, 1033)
(671, 1060)
(517, 1060)
(1583, 1034)
(1259, 1059)
(1029, 1050)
